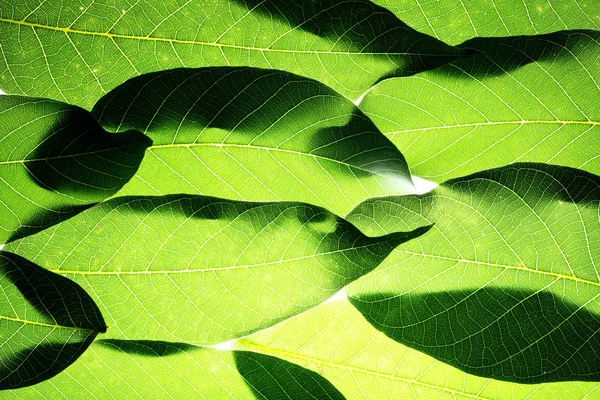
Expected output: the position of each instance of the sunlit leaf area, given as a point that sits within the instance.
(336, 199)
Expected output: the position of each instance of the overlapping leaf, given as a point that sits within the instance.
(256, 135)
(46, 322)
(56, 160)
(531, 99)
(506, 283)
(76, 52)
(115, 369)
(204, 270)
(362, 363)
(457, 21)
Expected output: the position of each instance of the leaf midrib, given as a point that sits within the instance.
(494, 123)
(255, 147)
(295, 356)
(68, 31)
(47, 325)
(504, 266)
(233, 267)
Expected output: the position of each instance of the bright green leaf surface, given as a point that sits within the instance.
(506, 283)
(455, 21)
(255, 135)
(114, 369)
(204, 270)
(77, 51)
(55, 160)
(335, 340)
(46, 322)
(521, 99)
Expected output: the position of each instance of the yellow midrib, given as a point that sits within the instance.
(492, 123)
(307, 359)
(54, 326)
(503, 266)
(200, 43)
(277, 262)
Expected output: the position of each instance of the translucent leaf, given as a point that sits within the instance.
(204, 270)
(533, 99)
(457, 21)
(46, 322)
(117, 369)
(55, 160)
(253, 134)
(362, 363)
(76, 52)
(505, 284)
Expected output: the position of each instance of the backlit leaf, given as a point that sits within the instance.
(204, 270)
(117, 369)
(362, 363)
(506, 283)
(46, 322)
(534, 99)
(456, 21)
(55, 160)
(255, 135)
(77, 51)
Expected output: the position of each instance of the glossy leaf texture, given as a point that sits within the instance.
(46, 322)
(457, 21)
(76, 52)
(362, 363)
(255, 135)
(55, 160)
(113, 369)
(204, 270)
(505, 285)
(532, 99)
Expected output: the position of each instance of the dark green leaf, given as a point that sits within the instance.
(255, 135)
(55, 160)
(506, 283)
(46, 322)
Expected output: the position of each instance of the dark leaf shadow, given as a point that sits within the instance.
(501, 55)
(148, 348)
(65, 303)
(44, 218)
(562, 183)
(37, 364)
(273, 378)
(250, 106)
(79, 158)
(362, 26)
(513, 335)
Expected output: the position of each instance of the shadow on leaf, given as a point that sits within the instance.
(273, 378)
(506, 334)
(149, 348)
(38, 349)
(364, 27)
(81, 159)
(498, 56)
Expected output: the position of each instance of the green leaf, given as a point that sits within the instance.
(55, 160)
(116, 369)
(336, 341)
(204, 270)
(454, 22)
(46, 322)
(506, 283)
(76, 52)
(533, 99)
(255, 135)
